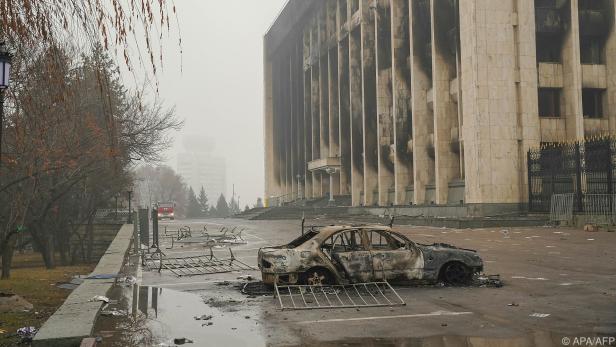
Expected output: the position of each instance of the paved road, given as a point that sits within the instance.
(565, 278)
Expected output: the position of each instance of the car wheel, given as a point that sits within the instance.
(315, 277)
(456, 274)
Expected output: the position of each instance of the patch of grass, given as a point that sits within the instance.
(33, 282)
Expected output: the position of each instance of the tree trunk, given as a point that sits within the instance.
(90, 238)
(7, 257)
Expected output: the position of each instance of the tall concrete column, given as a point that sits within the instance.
(344, 100)
(491, 116)
(356, 112)
(334, 104)
(447, 163)
(271, 184)
(423, 123)
(529, 128)
(299, 105)
(571, 108)
(384, 102)
(370, 119)
(308, 176)
(610, 94)
(401, 99)
(317, 188)
(293, 129)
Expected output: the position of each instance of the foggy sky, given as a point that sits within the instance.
(219, 93)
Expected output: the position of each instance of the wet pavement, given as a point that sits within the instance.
(559, 284)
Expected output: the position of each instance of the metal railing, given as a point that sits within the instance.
(310, 297)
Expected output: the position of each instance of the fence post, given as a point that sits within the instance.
(610, 173)
(154, 228)
(578, 178)
(136, 240)
(530, 186)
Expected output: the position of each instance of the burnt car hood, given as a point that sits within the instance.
(444, 246)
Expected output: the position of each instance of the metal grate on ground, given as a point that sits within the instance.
(310, 297)
(197, 265)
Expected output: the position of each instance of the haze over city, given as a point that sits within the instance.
(216, 84)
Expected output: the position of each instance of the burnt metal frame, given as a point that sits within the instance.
(197, 265)
(356, 295)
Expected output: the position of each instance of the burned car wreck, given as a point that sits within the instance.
(356, 254)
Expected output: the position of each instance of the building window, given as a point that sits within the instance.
(549, 49)
(549, 102)
(591, 50)
(592, 102)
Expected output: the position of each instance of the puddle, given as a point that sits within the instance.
(533, 339)
(158, 315)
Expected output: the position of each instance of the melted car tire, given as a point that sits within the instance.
(323, 275)
(456, 274)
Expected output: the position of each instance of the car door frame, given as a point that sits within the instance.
(356, 264)
(384, 260)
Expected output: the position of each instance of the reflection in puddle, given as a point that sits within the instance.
(158, 316)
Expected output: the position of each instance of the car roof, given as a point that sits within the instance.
(327, 231)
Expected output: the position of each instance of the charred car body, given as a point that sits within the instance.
(356, 254)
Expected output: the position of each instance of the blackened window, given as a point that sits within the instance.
(549, 102)
(545, 3)
(591, 50)
(549, 49)
(592, 102)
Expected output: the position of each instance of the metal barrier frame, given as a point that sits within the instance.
(337, 296)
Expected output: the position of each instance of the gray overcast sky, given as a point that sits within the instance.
(220, 90)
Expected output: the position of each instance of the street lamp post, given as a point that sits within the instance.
(5, 71)
(299, 187)
(331, 171)
(130, 214)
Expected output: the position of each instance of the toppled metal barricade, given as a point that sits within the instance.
(310, 297)
(224, 236)
(196, 265)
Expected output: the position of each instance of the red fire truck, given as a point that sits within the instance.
(166, 210)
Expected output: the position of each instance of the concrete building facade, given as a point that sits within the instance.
(430, 102)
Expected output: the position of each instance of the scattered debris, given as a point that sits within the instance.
(127, 281)
(513, 304)
(530, 278)
(102, 277)
(114, 313)
(540, 315)
(591, 228)
(26, 334)
(223, 283)
(246, 278)
(208, 324)
(254, 289)
(491, 281)
(181, 341)
(67, 286)
(100, 298)
(13, 303)
(204, 317)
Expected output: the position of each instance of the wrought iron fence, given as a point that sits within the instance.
(584, 169)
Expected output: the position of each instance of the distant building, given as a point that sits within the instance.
(200, 167)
